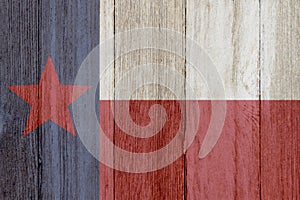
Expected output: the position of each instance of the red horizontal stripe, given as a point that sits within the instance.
(258, 151)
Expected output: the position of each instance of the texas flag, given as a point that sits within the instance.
(149, 100)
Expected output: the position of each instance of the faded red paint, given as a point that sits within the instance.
(257, 152)
(231, 169)
(49, 100)
(280, 149)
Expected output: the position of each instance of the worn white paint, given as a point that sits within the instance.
(280, 50)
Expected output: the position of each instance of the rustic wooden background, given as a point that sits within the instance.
(255, 45)
(50, 163)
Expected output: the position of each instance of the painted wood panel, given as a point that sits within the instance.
(166, 183)
(49, 163)
(280, 50)
(254, 45)
(20, 165)
(106, 92)
(228, 32)
(280, 53)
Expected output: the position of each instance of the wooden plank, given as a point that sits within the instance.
(49, 163)
(166, 183)
(280, 50)
(106, 94)
(280, 149)
(69, 31)
(228, 32)
(19, 157)
(280, 140)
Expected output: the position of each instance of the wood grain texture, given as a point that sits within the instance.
(70, 31)
(255, 48)
(280, 58)
(20, 164)
(231, 170)
(167, 183)
(49, 163)
(106, 92)
(280, 141)
(280, 50)
(228, 32)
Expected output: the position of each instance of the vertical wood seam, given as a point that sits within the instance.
(39, 132)
(114, 96)
(259, 99)
(185, 76)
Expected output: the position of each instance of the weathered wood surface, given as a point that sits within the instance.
(229, 32)
(129, 15)
(280, 77)
(254, 46)
(49, 163)
(106, 32)
(249, 42)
